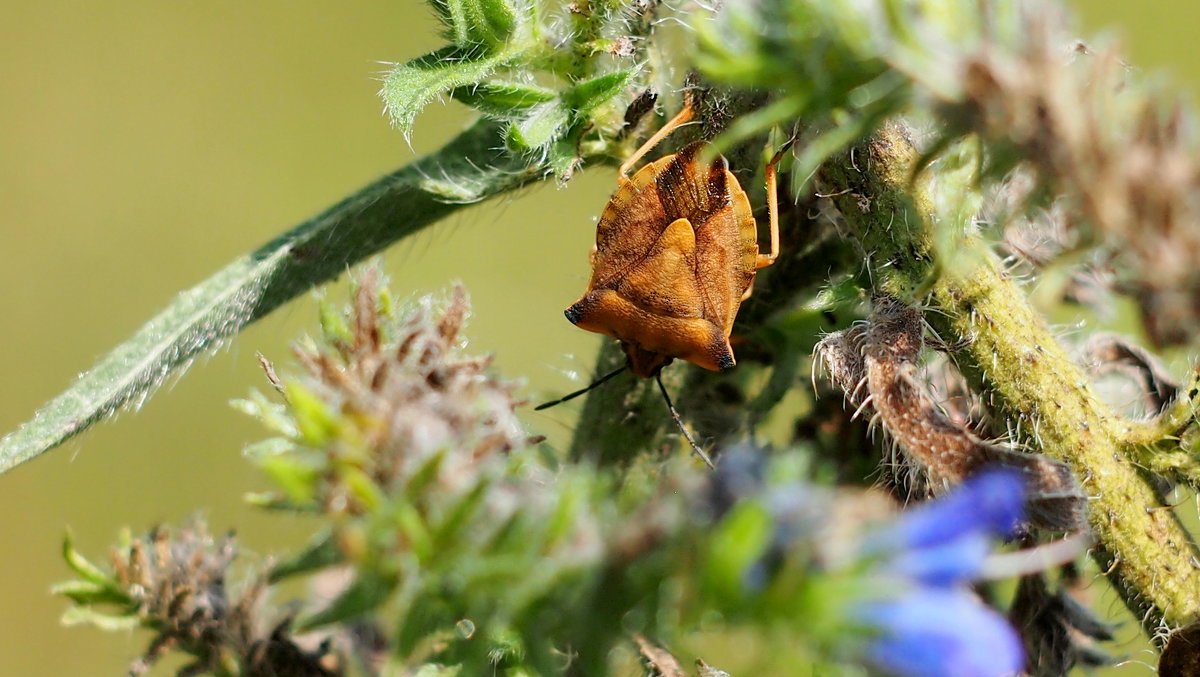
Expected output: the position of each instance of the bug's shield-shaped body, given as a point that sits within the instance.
(676, 252)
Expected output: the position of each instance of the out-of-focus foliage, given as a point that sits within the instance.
(456, 543)
(943, 147)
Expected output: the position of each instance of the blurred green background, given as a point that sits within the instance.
(144, 145)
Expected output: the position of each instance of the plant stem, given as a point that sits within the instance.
(1009, 353)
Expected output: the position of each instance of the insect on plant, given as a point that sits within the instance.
(675, 256)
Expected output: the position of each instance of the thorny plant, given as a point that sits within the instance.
(949, 155)
(176, 587)
(455, 547)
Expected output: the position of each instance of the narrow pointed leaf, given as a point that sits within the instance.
(85, 616)
(586, 96)
(424, 476)
(411, 86)
(544, 124)
(453, 526)
(89, 593)
(80, 564)
(367, 591)
(470, 168)
(477, 23)
(321, 552)
(502, 100)
(563, 155)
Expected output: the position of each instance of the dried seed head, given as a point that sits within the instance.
(1124, 161)
(1035, 238)
(410, 392)
(178, 583)
(933, 450)
(840, 354)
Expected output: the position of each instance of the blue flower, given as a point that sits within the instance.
(991, 502)
(940, 633)
(933, 625)
(942, 565)
(945, 541)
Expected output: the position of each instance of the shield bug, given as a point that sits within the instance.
(675, 256)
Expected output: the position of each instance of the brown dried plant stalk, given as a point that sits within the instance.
(876, 366)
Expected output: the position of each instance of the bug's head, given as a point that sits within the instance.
(644, 363)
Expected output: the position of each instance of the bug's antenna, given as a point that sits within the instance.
(679, 422)
(577, 393)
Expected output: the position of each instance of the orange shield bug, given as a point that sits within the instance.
(676, 254)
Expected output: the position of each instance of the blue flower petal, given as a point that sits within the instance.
(940, 633)
(991, 502)
(958, 561)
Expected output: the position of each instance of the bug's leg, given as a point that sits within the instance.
(765, 260)
(683, 428)
(594, 384)
(682, 117)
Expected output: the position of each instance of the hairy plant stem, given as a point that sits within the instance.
(1011, 356)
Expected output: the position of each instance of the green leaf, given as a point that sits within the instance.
(563, 518)
(273, 415)
(414, 530)
(84, 616)
(272, 501)
(320, 552)
(296, 478)
(367, 591)
(548, 122)
(563, 156)
(585, 97)
(362, 487)
(736, 543)
(424, 476)
(453, 526)
(268, 448)
(411, 86)
(334, 327)
(317, 424)
(477, 23)
(474, 166)
(545, 123)
(88, 593)
(80, 564)
(502, 100)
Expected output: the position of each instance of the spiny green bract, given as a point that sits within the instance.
(501, 54)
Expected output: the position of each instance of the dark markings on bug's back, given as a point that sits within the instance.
(689, 192)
